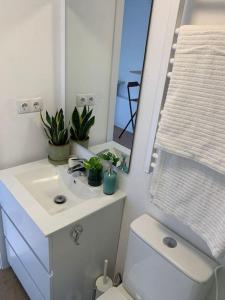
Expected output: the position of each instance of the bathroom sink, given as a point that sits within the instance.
(50, 184)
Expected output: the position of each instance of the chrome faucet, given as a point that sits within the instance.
(78, 169)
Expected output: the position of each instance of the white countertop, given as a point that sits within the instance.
(47, 223)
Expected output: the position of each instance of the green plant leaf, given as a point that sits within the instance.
(76, 119)
(84, 112)
(44, 123)
(55, 128)
(86, 118)
(61, 120)
(54, 123)
(63, 137)
(66, 136)
(73, 134)
(86, 128)
(94, 163)
(109, 156)
(81, 124)
(48, 118)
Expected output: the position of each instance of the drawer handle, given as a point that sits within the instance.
(76, 233)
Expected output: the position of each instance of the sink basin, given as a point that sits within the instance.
(48, 182)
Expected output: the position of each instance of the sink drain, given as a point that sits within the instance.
(60, 199)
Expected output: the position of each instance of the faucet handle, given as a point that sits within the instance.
(73, 161)
(78, 167)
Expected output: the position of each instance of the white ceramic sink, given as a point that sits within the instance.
(33, 187)
(47, 182)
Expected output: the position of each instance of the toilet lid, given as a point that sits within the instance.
(115, 293)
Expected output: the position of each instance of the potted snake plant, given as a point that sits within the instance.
(94, 168)
(58, 135)
(81, 125)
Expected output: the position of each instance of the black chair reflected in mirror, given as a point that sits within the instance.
(130, 86)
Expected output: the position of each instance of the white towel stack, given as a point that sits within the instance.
(193, 122)
(189, 180)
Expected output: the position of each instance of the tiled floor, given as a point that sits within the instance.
(10, 287)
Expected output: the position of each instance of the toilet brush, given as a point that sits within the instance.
(105, 279)
(103, 283)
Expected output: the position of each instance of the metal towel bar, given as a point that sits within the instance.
(152, 160)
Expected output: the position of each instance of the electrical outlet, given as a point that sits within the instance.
(23, 106)
(81, 100)
(36, 104)
(90, 99)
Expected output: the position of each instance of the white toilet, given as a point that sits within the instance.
(162, 266)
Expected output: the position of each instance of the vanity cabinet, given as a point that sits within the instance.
(22, 257)
(65, 264)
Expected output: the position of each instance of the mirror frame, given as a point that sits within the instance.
(117, 39)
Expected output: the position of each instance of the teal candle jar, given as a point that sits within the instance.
(109, 182)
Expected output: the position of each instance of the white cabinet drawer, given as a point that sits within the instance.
(22, 275)
(33, 266)
(31, 233)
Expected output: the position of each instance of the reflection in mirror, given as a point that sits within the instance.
(105, 51)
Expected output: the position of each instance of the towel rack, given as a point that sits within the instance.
(151, 154)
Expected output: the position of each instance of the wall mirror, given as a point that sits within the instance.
(105, 53)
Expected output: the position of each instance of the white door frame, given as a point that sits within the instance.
(117, 37)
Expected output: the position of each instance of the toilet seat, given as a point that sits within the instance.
(116, 293)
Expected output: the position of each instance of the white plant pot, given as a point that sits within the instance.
(59, 154)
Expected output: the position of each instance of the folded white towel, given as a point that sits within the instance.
(194, 194)
(193, 119)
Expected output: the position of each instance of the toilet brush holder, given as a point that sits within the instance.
(102, 287)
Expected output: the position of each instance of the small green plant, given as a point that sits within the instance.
(94, 167)
(54, 128)
(81, 124)
(94, 163)
(109, 156)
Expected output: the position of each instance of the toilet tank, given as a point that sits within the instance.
(161, 265)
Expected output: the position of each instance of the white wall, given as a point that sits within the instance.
(89, 44)
(30, 65)
(31, 59)
(137, 183)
